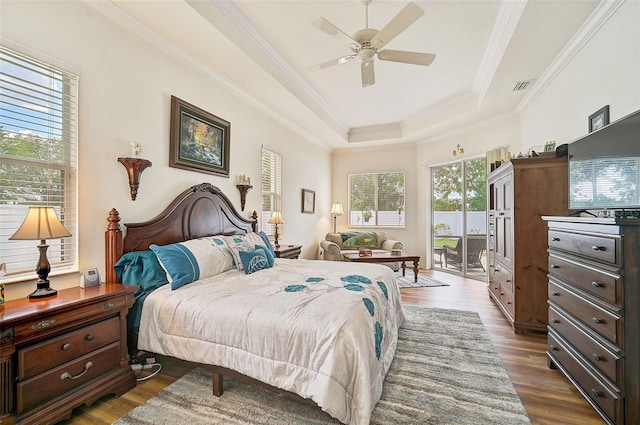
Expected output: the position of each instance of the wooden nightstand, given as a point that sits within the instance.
(61, 352)
(288, 251)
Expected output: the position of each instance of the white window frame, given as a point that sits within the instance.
(38, 102)
(271, 186)
(378, 219)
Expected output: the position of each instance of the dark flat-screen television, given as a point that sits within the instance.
(604, 167)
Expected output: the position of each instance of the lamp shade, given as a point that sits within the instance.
(276, 218)
(337, 209)
(40, 223)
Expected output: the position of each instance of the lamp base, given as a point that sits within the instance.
(42, 291)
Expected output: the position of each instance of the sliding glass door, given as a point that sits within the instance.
(459, 217)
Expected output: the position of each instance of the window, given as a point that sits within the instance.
(38, 161)
(376, 199)
(271, 188)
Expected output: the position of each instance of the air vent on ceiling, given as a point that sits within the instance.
(522, 85)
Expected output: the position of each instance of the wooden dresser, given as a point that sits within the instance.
(61, 352)
(594, 311)
(520, 192)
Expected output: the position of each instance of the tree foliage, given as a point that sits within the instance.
(448, 190)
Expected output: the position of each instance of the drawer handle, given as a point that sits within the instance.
(553, 348)
(598, 357)
(108, 304)
(553, 266)
(66, 346)
(508, 302)
(555, 239)
(555, 294)
(598, 321)
(67, 375)
(596, 393)
(555, 321)
(495, 287)
(597, 284)
(599, 248)
(89, 337)
(43, 324)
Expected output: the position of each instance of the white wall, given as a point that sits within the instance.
(125, 90)
(606, 71)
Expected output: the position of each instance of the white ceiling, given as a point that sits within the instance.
(263, 50)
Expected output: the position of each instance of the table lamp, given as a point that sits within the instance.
(336, 210)
(276, 218)
(41, 223)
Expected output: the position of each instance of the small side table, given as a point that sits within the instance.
(288, 251)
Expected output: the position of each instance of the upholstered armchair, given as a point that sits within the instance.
(335, 245)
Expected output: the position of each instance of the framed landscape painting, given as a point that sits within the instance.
(199, 141)
(308, 201)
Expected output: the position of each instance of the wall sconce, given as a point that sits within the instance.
(243, 185)
(458, 151)
(134, 167)
(336, 210)
(41, 223)
(276, 218)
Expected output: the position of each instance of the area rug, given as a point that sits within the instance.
(446, 371)
(407, 281)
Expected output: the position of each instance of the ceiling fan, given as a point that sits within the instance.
(366, 43)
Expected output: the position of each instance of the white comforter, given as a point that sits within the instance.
(322, 329)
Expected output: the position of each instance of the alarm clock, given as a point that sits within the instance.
(89, 277)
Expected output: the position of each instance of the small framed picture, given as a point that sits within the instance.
(550, 146)
(308, 201)
(599, 119)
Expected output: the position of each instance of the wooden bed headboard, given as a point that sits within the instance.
(202, 210)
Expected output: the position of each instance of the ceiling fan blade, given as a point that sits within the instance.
(335, 32)
(415, 58)
(327, 64)
(368, 73)
(407, 16)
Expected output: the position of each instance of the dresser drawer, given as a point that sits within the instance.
(595, 317)
(597, 282)
(602, 358)
(56, 351)
(504, 276)
(608, 399)
(64, 378)
(600, 248)
(507, 300)
(49, 324)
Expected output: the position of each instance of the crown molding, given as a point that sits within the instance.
(598, 18)
(506, 23)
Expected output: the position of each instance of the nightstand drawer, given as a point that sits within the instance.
(45, 325)
(62, 379)
(57, 351)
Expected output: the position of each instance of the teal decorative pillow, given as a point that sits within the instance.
(186, 262)
(361, 240)
(253, 261)
(141, 268)
(267, 252)
(237, 243)
(266, 241)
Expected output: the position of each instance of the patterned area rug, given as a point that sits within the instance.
(407, 281)
(445, 371)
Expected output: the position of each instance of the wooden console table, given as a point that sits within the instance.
(386, 257)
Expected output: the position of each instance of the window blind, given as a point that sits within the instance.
(377, 199)
(38, 157)
(271, 187)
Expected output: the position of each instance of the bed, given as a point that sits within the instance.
(324, 330)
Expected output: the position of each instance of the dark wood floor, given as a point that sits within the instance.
(546, 394)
